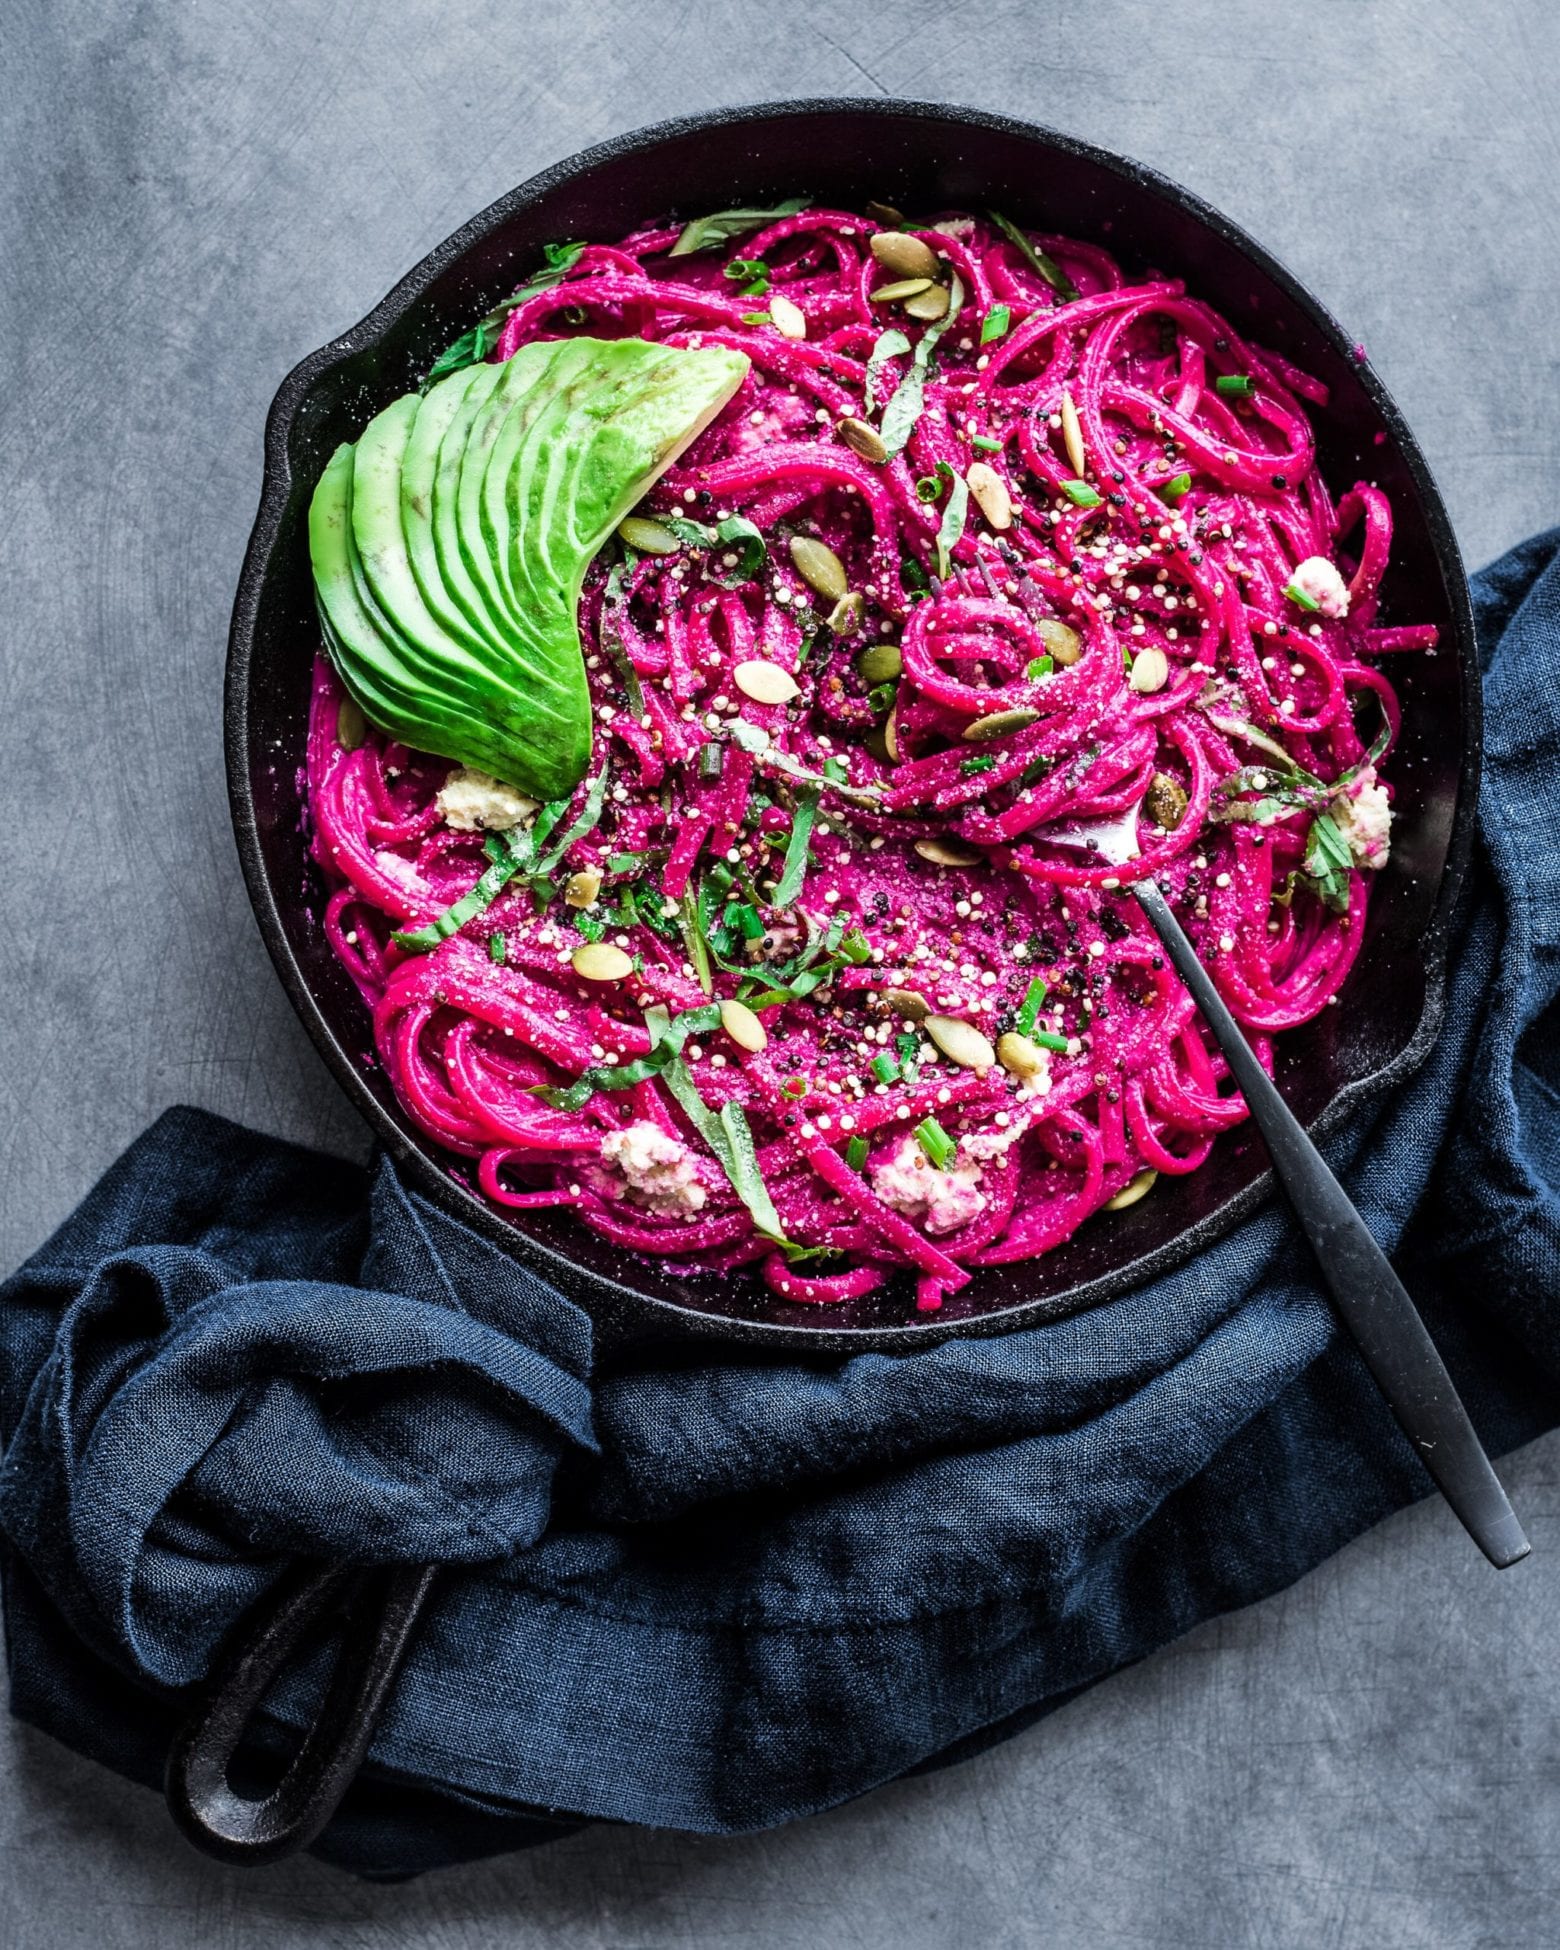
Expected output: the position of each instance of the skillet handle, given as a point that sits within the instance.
(382, 1607)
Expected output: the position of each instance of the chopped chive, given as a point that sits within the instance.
(881, 696)
(1047, 1039)
(498, 946)
(995, 324)
(1172, 491)
(1080, 494)
(856, 1153)
(1040, 667)
(907, 1045)
(1297, 595)
(1029, 1008)
(710, 757)
(885, 1069)
(970, 766)
(1235, 385)
(752, 273)
(755, 318)
(985, 443)
(935, 1142)
(928, 488)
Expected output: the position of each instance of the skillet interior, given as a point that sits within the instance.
(918, 156)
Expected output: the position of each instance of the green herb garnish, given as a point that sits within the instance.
(590, 813)
(995, 324)
(705, 233)
(1029, 1008)
(667, 1036)
(1172, 491)
(856, 1153)
(794, 872)
(1298, 595)
(935, 1142)
(1329, 862)
(751, 273)
(1235, 385)
(498, 946)
(970, 767)
(904, 409)
(728, 1136)
(951, 527)
(510, 853)
(885, 1069)
(1037, 260)
(890, 345)
(1039, 667)
(984, 444)
(472, 347)
(1048, 1039)
(1080, 494)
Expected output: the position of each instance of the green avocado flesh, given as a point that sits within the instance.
(450, 542)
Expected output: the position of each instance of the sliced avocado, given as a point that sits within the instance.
(380, 539)
(436, 411)
(449, 551)
(362, 650)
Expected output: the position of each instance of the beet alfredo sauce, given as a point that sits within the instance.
(992, 543)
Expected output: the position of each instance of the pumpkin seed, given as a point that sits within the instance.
(351, 725)
(845, 617)
(1130, 1193)
(907, 1003)
(901, 288)
(961, 1042)
(742, 1026)
(600, 961)
(1072, 436)
(891, 734)
(582, 888)
(1150, 671)
(991, 494)
(876, 742)
(1064, 643)
(881, 664)
(904, 255)
(1165, 801)
(764, 682)
(885, 214)
(819, 567)
(789, 320)
(929, 305)
(649, 537)
(948, 853)
(1020, 1057)
(996, 724)
(862, 439)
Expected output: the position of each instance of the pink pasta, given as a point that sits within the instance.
(1186, 622)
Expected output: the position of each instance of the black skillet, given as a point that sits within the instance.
(917, 156)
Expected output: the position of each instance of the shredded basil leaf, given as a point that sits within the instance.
(667, 1036)
(1328, 862)
(590, 813)
(890, 345)
(955, 513)
(752, 550)
(904, 409)
(1048, 267)
(705, 233)
(510, 853)
(729, 1138)
(1029, 1008)
(794, 872)
(856, 1154)
(472, 347)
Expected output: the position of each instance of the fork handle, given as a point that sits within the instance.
(1370, 1298)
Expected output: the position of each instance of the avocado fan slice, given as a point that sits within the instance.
(450, 546)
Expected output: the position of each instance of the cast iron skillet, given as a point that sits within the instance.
(917, 156)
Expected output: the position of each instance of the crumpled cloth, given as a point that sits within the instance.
(711, 1593)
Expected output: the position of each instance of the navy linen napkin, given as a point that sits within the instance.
(713, 1594)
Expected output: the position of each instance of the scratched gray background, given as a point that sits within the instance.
(198, 194)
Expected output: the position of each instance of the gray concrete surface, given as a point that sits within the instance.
(199, 193)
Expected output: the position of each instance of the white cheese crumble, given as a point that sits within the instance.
(469, 800)
(944, 1200)
(1363, 815)
(1317, 578)
(652, 1168)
